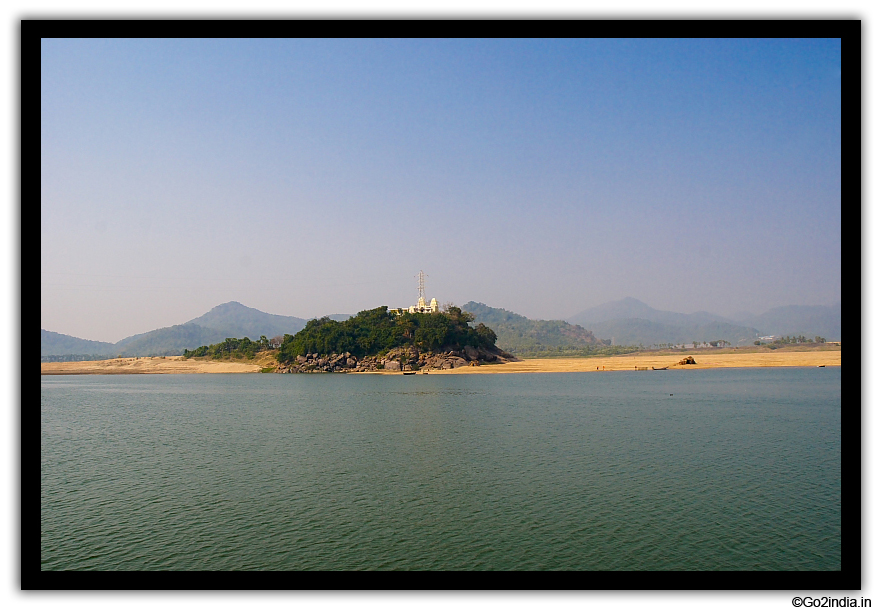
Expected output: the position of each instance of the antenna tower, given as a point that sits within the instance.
(422, 285)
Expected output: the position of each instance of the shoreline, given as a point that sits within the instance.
(176, 365)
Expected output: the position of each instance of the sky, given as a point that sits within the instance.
(153, 299)
(310, 177)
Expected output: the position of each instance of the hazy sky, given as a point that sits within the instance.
(306, 177)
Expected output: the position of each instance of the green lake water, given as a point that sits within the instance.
(730, 469)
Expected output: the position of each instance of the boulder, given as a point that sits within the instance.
(470, 352)
(457, 362)
(392, 365)
(688, 360)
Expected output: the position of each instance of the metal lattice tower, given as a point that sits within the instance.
(422, 285)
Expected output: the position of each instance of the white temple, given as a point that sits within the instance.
(421, 306)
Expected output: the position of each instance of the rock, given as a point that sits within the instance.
(301, 359)
(392, 365)
(470, 352)
(457, 362)
(688, 360)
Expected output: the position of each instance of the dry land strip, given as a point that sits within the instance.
(704, 359)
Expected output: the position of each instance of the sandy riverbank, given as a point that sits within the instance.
(138, 366)
(628, 362)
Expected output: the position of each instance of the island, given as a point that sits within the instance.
(397, 340)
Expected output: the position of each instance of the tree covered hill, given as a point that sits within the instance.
(171, 341)
(376, 331)
(522, 336)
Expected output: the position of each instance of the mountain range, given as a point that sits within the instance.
(625, 322)
(228, 320)
(632, 322)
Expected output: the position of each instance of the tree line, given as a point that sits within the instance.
(376, 331)
(787, 340)
(231, 348)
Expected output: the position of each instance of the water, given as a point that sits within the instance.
(738, 470)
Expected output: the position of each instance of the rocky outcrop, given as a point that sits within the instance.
(398, 359)
(687, 360)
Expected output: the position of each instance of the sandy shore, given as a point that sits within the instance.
(136, 366)
(703, 359)
(629, 362)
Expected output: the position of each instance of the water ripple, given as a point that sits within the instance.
(513, 472)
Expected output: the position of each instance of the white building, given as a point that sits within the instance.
(421, 306)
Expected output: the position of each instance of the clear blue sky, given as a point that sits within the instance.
(313, 177)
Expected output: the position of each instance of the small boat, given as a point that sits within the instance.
(410, 372)
(664, 368)
(820, 366)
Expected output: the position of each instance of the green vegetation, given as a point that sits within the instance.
(169, 341)
(536, 338)
(782, 341)
(376, 331)
(585, 352)
(231, 348)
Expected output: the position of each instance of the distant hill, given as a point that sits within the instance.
(340, 317)
(629, 321)
(242, 321)
(520, 335)
(170, 341)
(636, 331)
(798, 320)
(228, 320)
(632, 308)
(57, 344)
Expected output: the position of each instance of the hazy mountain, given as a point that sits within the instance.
(632, 308)
(518, 334)
(637, 331)
(57, 344)
(798, 320)
(228, 320)
(630, 321)
(170, 341)
(241, 321)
